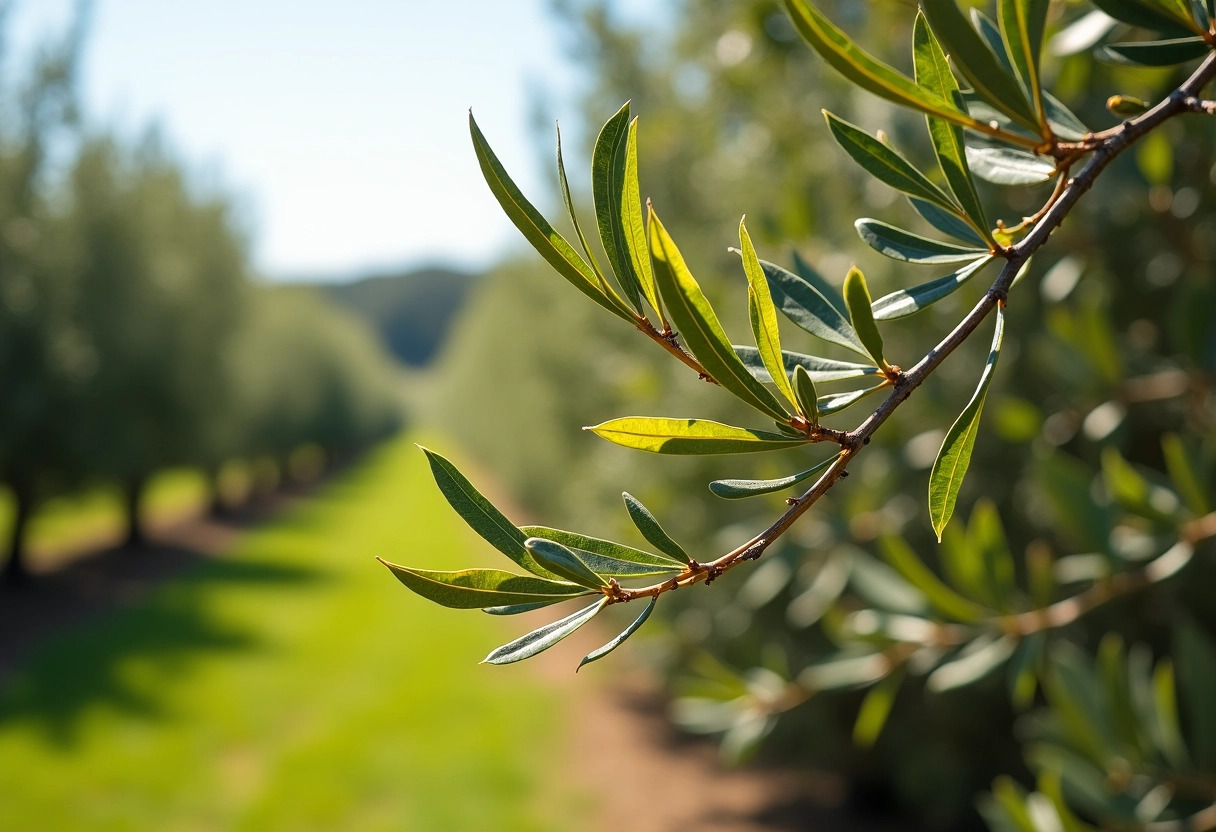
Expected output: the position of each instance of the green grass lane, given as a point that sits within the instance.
(291, 685)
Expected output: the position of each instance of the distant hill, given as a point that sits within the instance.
(412, 311)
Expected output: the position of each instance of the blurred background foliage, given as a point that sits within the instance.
(1111, 346)
(134, 337)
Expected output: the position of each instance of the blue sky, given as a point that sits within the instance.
(341, 126)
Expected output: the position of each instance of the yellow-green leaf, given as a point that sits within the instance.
(763, 315)
(469, 589)
(537, 230)
(946, 477)
(1022, 24)
(699, 327)
(690, 436)
(807, 399)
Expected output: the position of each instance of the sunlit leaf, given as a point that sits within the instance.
(537, 230)
(763, 316)
(480, 514)
(899, 244)
(946, 476)
(544, 637)
(609, 190)
(977, 63)
(651, 530)
(857, 296)
(469, 589)
(1003, 166)
(1155, 53)
(862, 69)
(605, 557)
(690, 436)
(600, 652)
(875, 709)
(820, 369)
(739, 489)
(564, 184)
(1022, 24)
(905, 302)
(699, 327)
(885, 164)
(563, 562)
(933, 72)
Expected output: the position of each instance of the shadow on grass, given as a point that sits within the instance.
(72, 641)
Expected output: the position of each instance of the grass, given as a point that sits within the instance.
(291, 685)
(63, 524)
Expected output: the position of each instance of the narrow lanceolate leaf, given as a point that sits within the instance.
(885, 164)
(875, 709)
(820, 369)
(803, 304)
(605, 557)
(947, 223)
(690, 436)
(480, 514)
(950, 467)
(634, 222)
(516, 609)
(738, 489)
(651, 530)
(1155, 53)
(537, 230)
(804, 270)
(561, 561)
(608, 190)
(933, 72)
(1161, 17)
(543, 638)
(698, 325)
(763, 316)
(1022, 25)
(1064, 123)
(900, 555)
(857, 296)
(977, 63)
(470, 589)
(899, 244)
(836, 402)
(578, 228)
(1009, 167)
(807, 400)
(599, 653)
(862, 69)
(904, 302)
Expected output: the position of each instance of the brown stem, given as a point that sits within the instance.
(1105, 146)
(668, 340)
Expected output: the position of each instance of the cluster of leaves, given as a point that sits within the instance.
(1005, 129)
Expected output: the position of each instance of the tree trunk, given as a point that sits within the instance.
(135, 527)
(15, 569)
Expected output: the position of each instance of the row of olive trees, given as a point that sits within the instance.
(131, 335)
